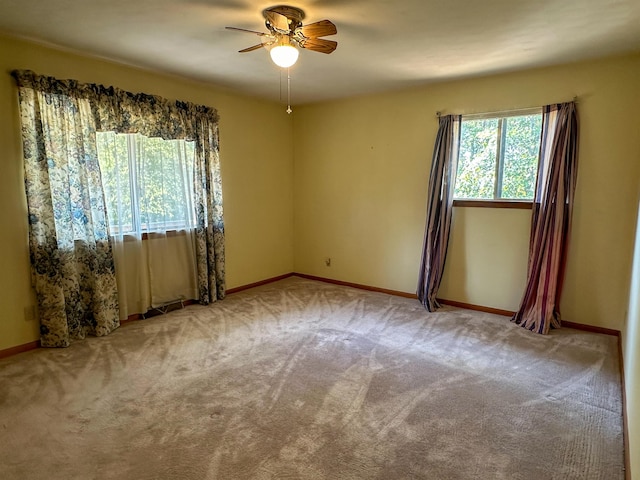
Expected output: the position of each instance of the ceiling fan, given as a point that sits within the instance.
(286, 32)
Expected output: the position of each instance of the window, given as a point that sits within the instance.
(148, 182)
(498, 157)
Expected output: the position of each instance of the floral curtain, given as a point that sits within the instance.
(71, 252)
(551, 219)
(71, 257)
(439, 210)
(209, 219)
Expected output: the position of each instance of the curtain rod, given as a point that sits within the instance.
(512, 112)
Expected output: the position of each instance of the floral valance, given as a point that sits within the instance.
(120, 111)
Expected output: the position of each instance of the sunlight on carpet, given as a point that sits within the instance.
(305, 380)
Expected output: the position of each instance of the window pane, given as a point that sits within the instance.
(165, 169)
(477, 160)
(148, 182)
(522, 142)
(113, 158)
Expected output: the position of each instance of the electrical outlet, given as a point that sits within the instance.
(327, 261)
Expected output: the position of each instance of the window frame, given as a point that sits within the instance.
(496, 201)
(176, 227)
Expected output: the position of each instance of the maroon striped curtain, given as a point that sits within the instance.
(551, 219)
(439, 209)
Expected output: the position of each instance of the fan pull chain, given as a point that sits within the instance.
(289, 92)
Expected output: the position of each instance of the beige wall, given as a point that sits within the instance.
(360, 186)
(476, 250)
(256, 173)
(631, 343)
(360, 181)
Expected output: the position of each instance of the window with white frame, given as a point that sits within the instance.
(498, 156)
(148, 183)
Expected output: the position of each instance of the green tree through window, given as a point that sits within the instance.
(498, 157)
(148, 182)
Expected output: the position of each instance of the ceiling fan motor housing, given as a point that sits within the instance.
(294, 16)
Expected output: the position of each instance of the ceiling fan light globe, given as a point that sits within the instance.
(284, 56)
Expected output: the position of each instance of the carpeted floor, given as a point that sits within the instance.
(306, 380)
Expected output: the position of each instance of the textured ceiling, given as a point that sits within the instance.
(383, 44)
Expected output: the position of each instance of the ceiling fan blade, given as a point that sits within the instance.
(277, 21)
(251, 49)
(245, 30)
(319, 45)
(323, 28)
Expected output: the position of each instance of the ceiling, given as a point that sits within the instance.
(382, 44)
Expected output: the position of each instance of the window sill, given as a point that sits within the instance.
(168, 233)
(128, 237)
(521, 204)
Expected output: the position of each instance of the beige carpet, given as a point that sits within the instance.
(306, 380)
